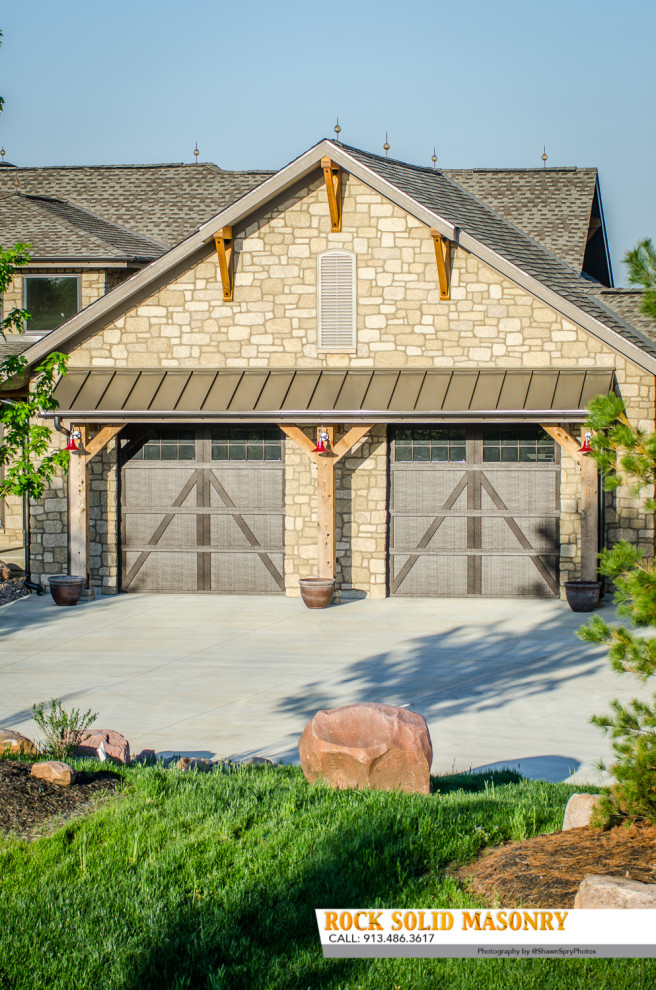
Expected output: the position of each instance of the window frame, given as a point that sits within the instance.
(332, 348)
(78, 298)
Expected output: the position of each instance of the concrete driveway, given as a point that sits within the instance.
(499, 681)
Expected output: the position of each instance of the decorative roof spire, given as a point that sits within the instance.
(196, 152)
(386, 146)
(544, 156)
(434, 159)
(337, 129)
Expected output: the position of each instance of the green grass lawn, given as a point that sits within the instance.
(211, 881)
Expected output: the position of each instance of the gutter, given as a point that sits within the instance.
(313, 416)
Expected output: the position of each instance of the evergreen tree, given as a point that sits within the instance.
(641, 263)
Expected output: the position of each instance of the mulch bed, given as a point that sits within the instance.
(546, 871)
(27, 803)
(12, 590)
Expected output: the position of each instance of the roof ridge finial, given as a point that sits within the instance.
(386, 146)
(337, 129)
(196, 152)
(544, 156)
(434, 158)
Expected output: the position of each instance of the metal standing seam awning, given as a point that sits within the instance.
(275, 396)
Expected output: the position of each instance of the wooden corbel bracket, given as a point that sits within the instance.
(443, 258)
(224, 249)
(333, 175)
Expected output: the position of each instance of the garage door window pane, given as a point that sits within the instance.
(237, 444)
(175, 445)
(526, 446)
(425, 443)
(50, 300)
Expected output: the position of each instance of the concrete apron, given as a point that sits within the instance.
(500, 682)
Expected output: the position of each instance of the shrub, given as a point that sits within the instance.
(62, 730)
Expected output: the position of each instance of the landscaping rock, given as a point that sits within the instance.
(368, 745)
(148, 757)
(55, 772)
(258, 761)
(116, 746)
(596, 891)
(5, 572)
(15, 743)
(580, 810)
(188, 763)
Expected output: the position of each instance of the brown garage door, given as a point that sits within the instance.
(474, 512)
(202, 510)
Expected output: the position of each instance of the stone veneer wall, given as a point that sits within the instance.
(401, 323)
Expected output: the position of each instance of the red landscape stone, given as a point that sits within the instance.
(13, 742)
(116, 746)
(368, 745)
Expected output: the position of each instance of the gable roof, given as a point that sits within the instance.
(552, 205)
(164, 203)
(434, 199)
(63, 232)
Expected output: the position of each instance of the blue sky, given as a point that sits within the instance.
(486, 83)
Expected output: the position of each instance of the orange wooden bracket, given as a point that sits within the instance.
(333, 175)
(443, 258)
(224, 249)
(565, 439)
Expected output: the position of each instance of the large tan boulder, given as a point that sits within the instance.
(368, 745)
(116, 746)
(14, 743)
(55, 772)
(580, 810)
(597, 891)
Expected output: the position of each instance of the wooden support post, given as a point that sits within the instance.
(589, 503)
(326, 528)
(78, 512)
(589, 518)
(333, 175)
(224, 249)
(326, 536)
(443, 259)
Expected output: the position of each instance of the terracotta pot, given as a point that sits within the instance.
(583, 596)
(66, 589)
(317, 592)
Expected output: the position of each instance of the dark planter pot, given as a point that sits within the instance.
(583, 596)
(66, 589)
(317, 592)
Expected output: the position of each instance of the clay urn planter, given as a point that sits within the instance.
(583, 596)
(66, 589)
(317, 592)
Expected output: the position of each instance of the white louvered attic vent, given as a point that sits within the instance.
(337, 300)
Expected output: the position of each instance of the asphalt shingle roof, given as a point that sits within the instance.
(57, 229)
(552, 205)
(164, 203)
(442, 195)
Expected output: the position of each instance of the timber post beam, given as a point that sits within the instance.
(225, 252)
(333, 175)
(326, 526)
(78, 513)
(589, 517)
(443, 258)
(589, 502)
(100, 441)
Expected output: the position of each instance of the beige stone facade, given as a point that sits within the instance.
(489, 322)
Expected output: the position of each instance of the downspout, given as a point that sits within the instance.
(28, 582)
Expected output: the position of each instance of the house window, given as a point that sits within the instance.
(336, 302)
(50, 300)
